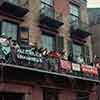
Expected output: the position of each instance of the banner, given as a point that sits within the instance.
(76, 67)
(89, 69)
(29, 55)
(65, 64)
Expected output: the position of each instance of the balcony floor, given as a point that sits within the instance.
(50, 22)
(80, 33)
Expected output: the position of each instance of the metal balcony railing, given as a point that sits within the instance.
(14, 8)
(31, 57)
(79, 29)
(79, 25)
(21, 3)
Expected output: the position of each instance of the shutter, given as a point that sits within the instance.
(59, 43)
(24, 35)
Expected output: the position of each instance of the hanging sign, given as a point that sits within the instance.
(28, 54)
(89, 69)
(76, 67)
(65, 64)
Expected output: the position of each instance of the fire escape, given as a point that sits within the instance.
(49, 18)
(13, 9)
(79, 30)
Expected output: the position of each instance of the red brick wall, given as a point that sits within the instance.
(61, 6)
(67, 94)
(17, 88)
(37, 93)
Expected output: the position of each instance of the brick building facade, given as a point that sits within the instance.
(94, 19)
(55, 25)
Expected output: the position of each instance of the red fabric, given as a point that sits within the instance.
(55, 54)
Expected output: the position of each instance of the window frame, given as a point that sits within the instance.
(47, 91)
(73, 15)
(85, 53)
(49, 4)
(47, 9)
(11, 22)
(51, 35)
(81, 46)
(23, 41)
(83, 2)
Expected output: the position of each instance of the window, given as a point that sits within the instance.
(48, 42)
(9, 29)
(86, 54)
(11, 96)
(14, 1)
(83, 2)
(59, 43)
(50, 94)
(74, 13)
(49, 2)
(77, 51)
(82, 96)
(24, 35)
(98, 19)
(46, 8)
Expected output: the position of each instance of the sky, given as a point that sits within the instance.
(93, 3)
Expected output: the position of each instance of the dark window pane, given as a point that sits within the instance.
(50, 94)
(82, 96)
(59, 43)
(11, 96)
(86, 54)
(24, 35)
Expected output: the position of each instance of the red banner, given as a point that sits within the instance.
(65, 64)
(89, 69)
